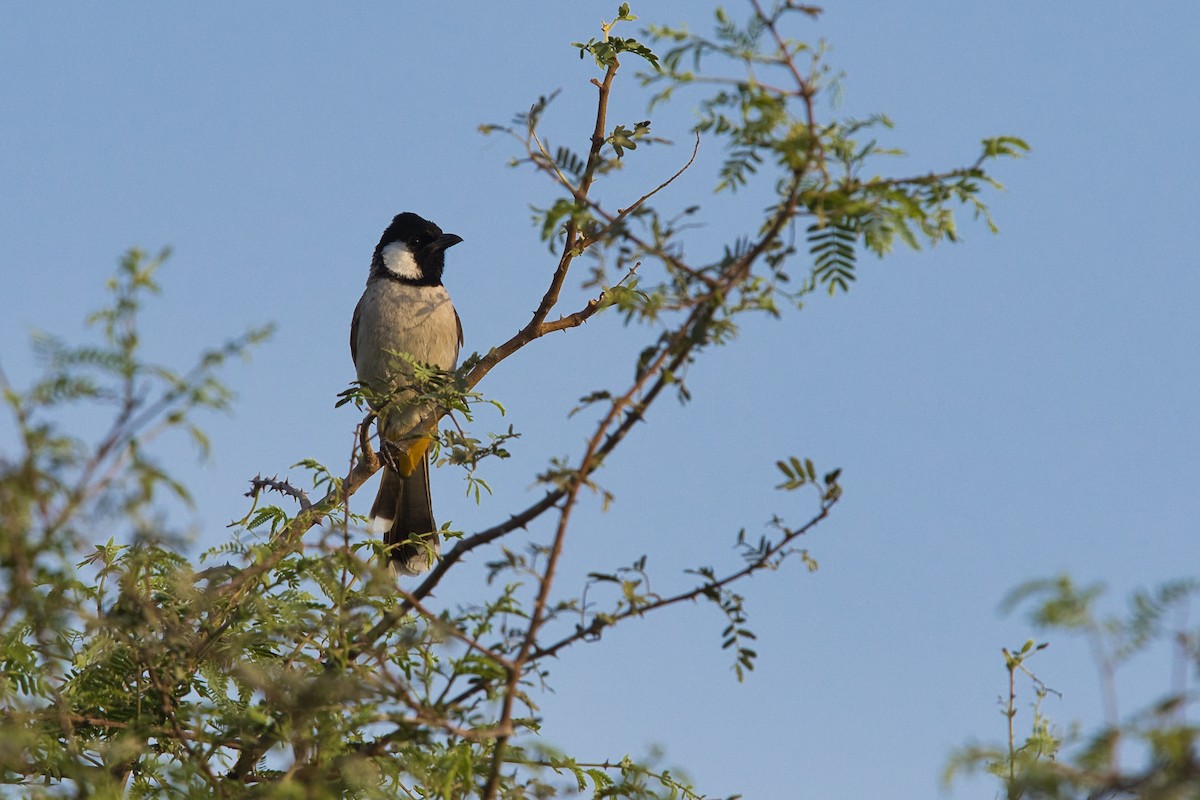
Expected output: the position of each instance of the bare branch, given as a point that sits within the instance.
(258, 484)
(760, 563)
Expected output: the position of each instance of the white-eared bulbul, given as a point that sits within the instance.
(405, 309)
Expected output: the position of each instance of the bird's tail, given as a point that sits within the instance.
(403, 513)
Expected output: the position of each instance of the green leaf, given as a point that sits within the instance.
(1005, 146)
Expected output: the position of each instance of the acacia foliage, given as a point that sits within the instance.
(1151, 753)
(288, 662)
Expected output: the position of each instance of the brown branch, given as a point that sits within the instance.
(464, 546)
(456, 632)
(550, 298)
(590, 460)
(576, 319)
(587, 312)
(760, 563)
(933, 178)
(593, 160)
(364, 441)
(258, 484)
(622, 213)
(806, 88)
(667, 258)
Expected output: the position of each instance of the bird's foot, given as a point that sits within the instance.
(403, 457)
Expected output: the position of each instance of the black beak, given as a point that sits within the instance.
(443, 242)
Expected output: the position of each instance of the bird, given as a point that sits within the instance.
(405, 309)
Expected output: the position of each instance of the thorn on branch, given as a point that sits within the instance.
(258, 484)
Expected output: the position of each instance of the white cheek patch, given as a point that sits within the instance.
(398, 260)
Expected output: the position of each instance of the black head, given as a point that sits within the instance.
(412, 249)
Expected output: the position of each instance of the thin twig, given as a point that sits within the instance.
(456, 632)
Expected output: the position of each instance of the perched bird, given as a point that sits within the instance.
(405, 309)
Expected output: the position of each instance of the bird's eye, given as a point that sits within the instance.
(415, 242)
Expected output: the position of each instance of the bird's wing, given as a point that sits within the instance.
(354, 333)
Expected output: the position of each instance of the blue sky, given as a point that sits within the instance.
(1005, 408)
